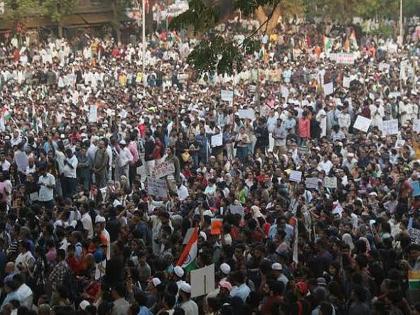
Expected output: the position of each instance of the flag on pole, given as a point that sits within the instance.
(295, 244)
(353, 41)
(188, 257)
(327, 44)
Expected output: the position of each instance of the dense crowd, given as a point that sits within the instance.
(288, 174)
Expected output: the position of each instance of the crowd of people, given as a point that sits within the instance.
(300, 208)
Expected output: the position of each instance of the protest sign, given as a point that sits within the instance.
(157, 187)
(93, 114)
(246, 114)
(284, 91)
(237, 209)
(414, 235)
(217, 140)
(399, 143)
(295, 176)
(390, 127)
(343, 58)
(416, 125)
(330, 182)
(329, 88)
(416, 188)
(163, 169)
(311, 183)
(362, 123)
(346, 82)
(216, 226)
(226, 95)
(202, 281)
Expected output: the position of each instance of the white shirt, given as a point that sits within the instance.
(25, 259)
(182, 192)
(69, 171)
(87, 224)
(45, 193)
(5, 165)
(125, 157)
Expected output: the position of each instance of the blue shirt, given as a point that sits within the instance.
(144, 311)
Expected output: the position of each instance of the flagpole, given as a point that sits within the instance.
(144, 42)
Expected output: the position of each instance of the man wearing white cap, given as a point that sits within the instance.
(103, 235)
(225, 269)
(277, 270)
(179, 276)
(188, 305)
(123, 161)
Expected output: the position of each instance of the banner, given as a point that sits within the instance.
(157, 187)
(163, 169)
(343, 58)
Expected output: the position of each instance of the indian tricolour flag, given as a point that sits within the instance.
(414, 279)
(327, 44)
(5, 114)
(188, 257)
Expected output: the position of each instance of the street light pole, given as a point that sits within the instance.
(144, 40)
(401, 23)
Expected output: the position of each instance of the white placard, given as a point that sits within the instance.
(226, 95)
(390, 127)
(246, 114)
(163, 169)
(311, 182)
(217, 140)
(295, 176)
(362, 123)
(416, 125)
(346, 82)
(394, 94)
(330, 182)
(343, 58)
(202, 281)
(399, 143)
(237, 209)
(93, 114)
(157, 187)
(329, 88)
(284, 91)
(414, 235)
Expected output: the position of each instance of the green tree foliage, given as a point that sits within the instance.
(56, 9)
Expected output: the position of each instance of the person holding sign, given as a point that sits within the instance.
(242, 143)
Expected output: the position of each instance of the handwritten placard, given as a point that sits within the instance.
(163, 169)
(311, 182)
(362, 123)
(157, 187)
(330, 182)
(295, 176)
(226, 95)
(217, 140)
(390, 127)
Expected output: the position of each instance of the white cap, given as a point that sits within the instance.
(122, 142)
(277, 266)
(203, 235)
(99, 219)
(179, 271)
(185, 287)
(83, 305)
(156, 282)
(225, 268)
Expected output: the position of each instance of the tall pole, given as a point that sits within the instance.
(144, 39)
(401, 23)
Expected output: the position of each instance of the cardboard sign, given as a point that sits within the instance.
(93, 114)
(362, 123)
(246, 114)
(216, 226)
(329, 88)
(295, 176)
(330, 182)
(217, 140)
(414, 235)
(390, 127)
(416, 126)
(157, 187)
(311, 182)
(163, 169)
(237, 209)
(346, 82)
(202, 281)
(226, 95)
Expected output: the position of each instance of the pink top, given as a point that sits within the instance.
(304, 128)
(132, 146)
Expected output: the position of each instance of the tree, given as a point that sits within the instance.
(57, 9)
